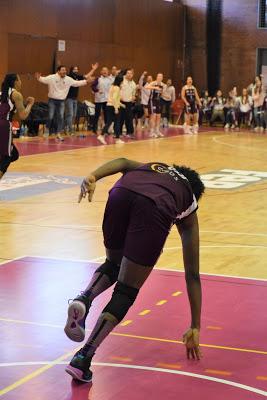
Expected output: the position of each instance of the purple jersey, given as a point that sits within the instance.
(168, 188)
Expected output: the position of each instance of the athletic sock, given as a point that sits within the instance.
(99, 283)
(105, 324)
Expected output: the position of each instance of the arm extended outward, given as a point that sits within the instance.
(189, 232)
(110, 168)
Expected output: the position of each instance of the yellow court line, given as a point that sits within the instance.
(171, 366)
(36, 373)
(217, 372)
(144, 312)
(161, 302)
(262, 378)
(125, 359)
(175, 294)
(211, 346)
(215, 328)
(127, 322)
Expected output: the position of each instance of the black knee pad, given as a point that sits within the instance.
(110, 269)
(122, 299)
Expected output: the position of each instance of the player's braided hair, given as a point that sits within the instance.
(8, 83)
(193, 177)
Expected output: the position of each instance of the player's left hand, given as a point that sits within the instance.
(191, 341)
(87, 188)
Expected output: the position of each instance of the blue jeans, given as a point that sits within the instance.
(258, 117)
(70, 113)
(56, 110)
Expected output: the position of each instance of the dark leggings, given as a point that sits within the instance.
(5, 161)
(166, 107)
(112, 117)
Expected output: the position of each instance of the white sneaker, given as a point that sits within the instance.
(152, 134)
(233, 126)
(59, 137)
(101, 139)
(262, 129)
(227, 126)
(195, 129)
(256, 129)
(119, 141)
(187, 129)
(160, 134)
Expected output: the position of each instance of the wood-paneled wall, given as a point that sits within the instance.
(143, 34)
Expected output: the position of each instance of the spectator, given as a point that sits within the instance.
(230, 106)
(138, 110)
(167, 99)
(114, 73)
(264, 109)
(113, 110)
(58, 88)
(205, 110)
(217, 105)
(144, 81)
(245, 103)
(128, 91)
(71, 103)
(101, 88)
(258, 100)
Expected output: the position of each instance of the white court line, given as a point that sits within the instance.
(235, 233)
(94, 147)
(230, 246)
(215, 139)
(68, 259)
(157, 268)
(11, 259)
(149, 369)
(90, 227)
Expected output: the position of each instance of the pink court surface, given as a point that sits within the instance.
(144, 357)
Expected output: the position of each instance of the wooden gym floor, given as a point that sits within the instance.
(56, 240)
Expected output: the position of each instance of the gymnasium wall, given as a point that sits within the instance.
(143, 34)
(240, 40)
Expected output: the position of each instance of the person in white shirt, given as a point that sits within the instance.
(258, 96)
(244, 104)
(167, 99)
(128, 92)
(58, 89)
(101, 96)
(114, 73)
(144, 81)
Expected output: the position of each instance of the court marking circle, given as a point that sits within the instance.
(149, 369)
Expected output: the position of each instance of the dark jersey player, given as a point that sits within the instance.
(191, 99)
(11, 100)
(142, 207)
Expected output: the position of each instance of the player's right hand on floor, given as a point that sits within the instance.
(191, 341)
(87, 188)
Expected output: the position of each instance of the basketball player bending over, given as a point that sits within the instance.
(142, 207)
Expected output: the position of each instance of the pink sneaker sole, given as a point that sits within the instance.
(76, 374)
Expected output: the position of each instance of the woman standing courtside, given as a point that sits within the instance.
(11, 100)
(191, 99)
(113, 109)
